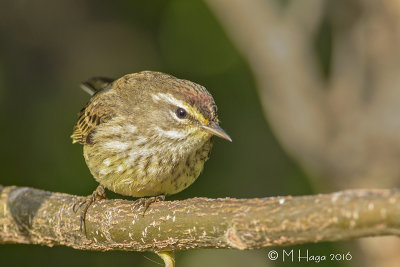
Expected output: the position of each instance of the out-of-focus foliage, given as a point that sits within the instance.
(190, 36)
(48, 47)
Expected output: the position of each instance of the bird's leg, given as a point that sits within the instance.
(98, 194)
(147, 201)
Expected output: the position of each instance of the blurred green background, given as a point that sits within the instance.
(48, 47)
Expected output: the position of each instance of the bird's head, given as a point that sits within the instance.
(172, 109)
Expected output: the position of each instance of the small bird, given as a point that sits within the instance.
(146, 134)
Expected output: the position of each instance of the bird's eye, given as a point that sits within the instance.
(181, 113)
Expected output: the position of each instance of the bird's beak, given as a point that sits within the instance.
(214, 129)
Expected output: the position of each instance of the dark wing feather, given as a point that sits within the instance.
(89, 118)
(94, 113)
(96, 84)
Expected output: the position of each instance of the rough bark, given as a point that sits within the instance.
(33, 216)
(343, 126)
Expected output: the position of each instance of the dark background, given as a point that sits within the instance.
(48, 47)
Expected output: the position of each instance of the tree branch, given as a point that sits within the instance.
(33, 216)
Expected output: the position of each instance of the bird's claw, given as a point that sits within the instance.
(146, 202)
(97, 194)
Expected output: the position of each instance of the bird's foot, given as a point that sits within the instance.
(147, 201)
(97, 194)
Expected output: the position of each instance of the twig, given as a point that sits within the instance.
(33, 216)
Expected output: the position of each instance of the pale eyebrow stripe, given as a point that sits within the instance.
(169, 98)
(172, 100)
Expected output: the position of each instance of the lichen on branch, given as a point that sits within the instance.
(33, 216)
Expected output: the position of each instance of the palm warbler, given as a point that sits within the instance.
(147, 133)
